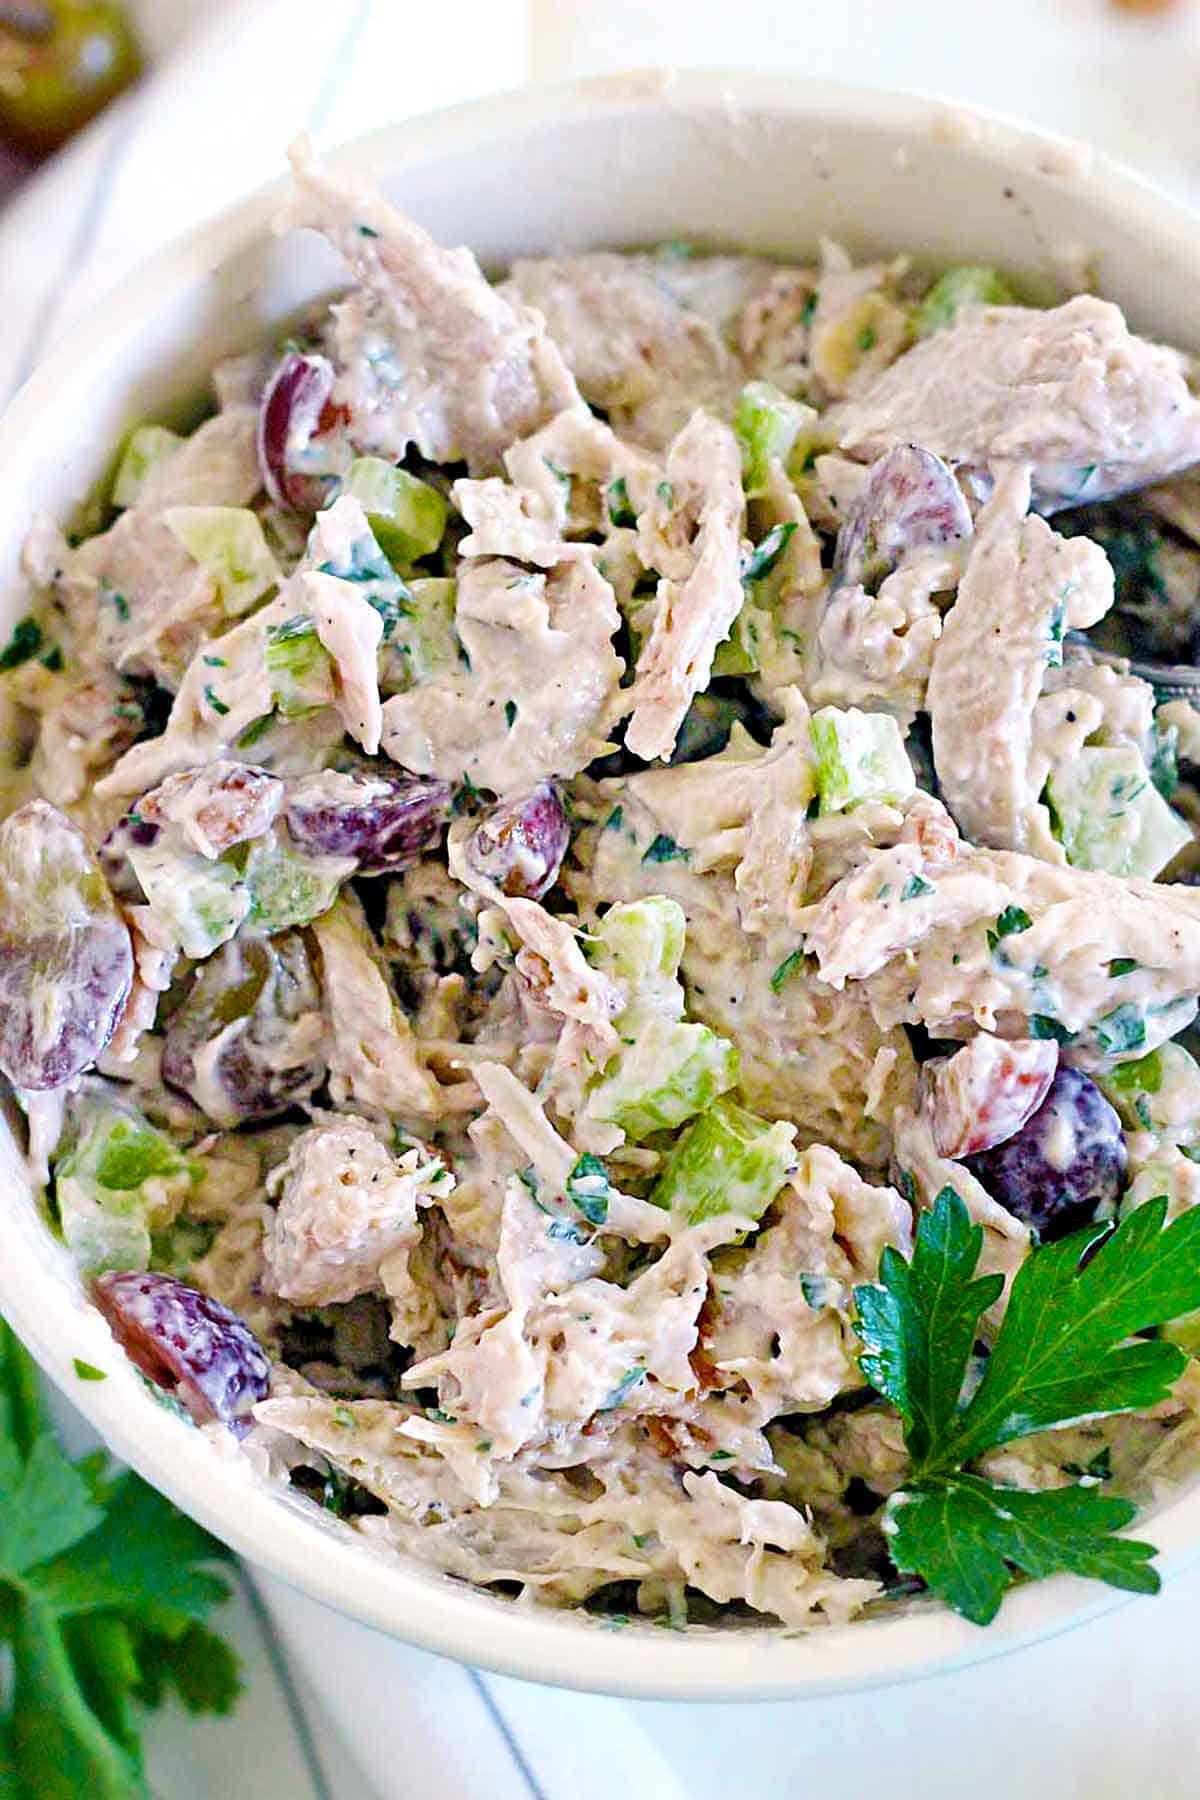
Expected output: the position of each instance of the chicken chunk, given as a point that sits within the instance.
(1071, 390)
(345, 1206)
(427, 352)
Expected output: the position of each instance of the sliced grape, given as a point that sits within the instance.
(66, 962)
(985, 1092)
(247, 1042)
(289, 418)
(386, 820)
(186, 1343)
(910, 499)
(1065, 1165)
(519, 845)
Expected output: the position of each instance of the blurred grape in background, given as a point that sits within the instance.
(61, 62)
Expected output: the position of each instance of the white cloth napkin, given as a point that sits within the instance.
(1103, 1713)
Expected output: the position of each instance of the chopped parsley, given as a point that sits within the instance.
(1041, 1025)
(1012, 920)
(25, 642)
(1123, 965)
(218, 705)
(510, 713)
(620, 507)
(787, 968)
(665, 849)
(915, 886)
(589, 1188)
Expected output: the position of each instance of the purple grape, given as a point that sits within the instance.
(289, 417)
(131, 832)
(247, 1041)
(186, 1343)
(519, 844)
(910, 499)
(1066, 1162)
(387, 820)
(66, 961)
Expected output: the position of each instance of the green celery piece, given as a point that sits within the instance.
(741, 652)
(200, 901)
(118, 1177)
(406, 515)
(769, 426)
(299, 667)
(969, 285)
(961, 1533)
(859, 756)
(148, 448)
(728, 1160)
(1108, 814)
(228, 543)
(287, 887)
(639, 943)
(424, 644)
(1131, 1082)
(669, 1074)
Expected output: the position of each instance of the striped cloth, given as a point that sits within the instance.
(333, 1712)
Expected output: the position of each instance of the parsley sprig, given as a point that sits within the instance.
(1062, 1355)
(103, 1594)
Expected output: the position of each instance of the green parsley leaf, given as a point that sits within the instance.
(915, 886)
(964, 1536)
(1123, 965)
(1066, 1352)
(919, 1324)
(87, 1371)
(103, 1590)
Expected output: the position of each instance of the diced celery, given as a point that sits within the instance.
(200, 902)
(669, 1074)
(769, 426)
(728, 1160)
(741, 651)
(286, 887)
(228, 543)
(299, 666)
(639, 944)
(1158, 1092)
(407, 516)
(148, 447)
(424, 644)
(859, 756)
(970, 285)
(118, 1179)
(1108, 815)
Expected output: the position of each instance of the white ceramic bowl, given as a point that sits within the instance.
(735, 159)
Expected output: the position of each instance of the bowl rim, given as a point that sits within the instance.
(394, 1594)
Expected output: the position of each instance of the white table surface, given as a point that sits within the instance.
(1103, 1713)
